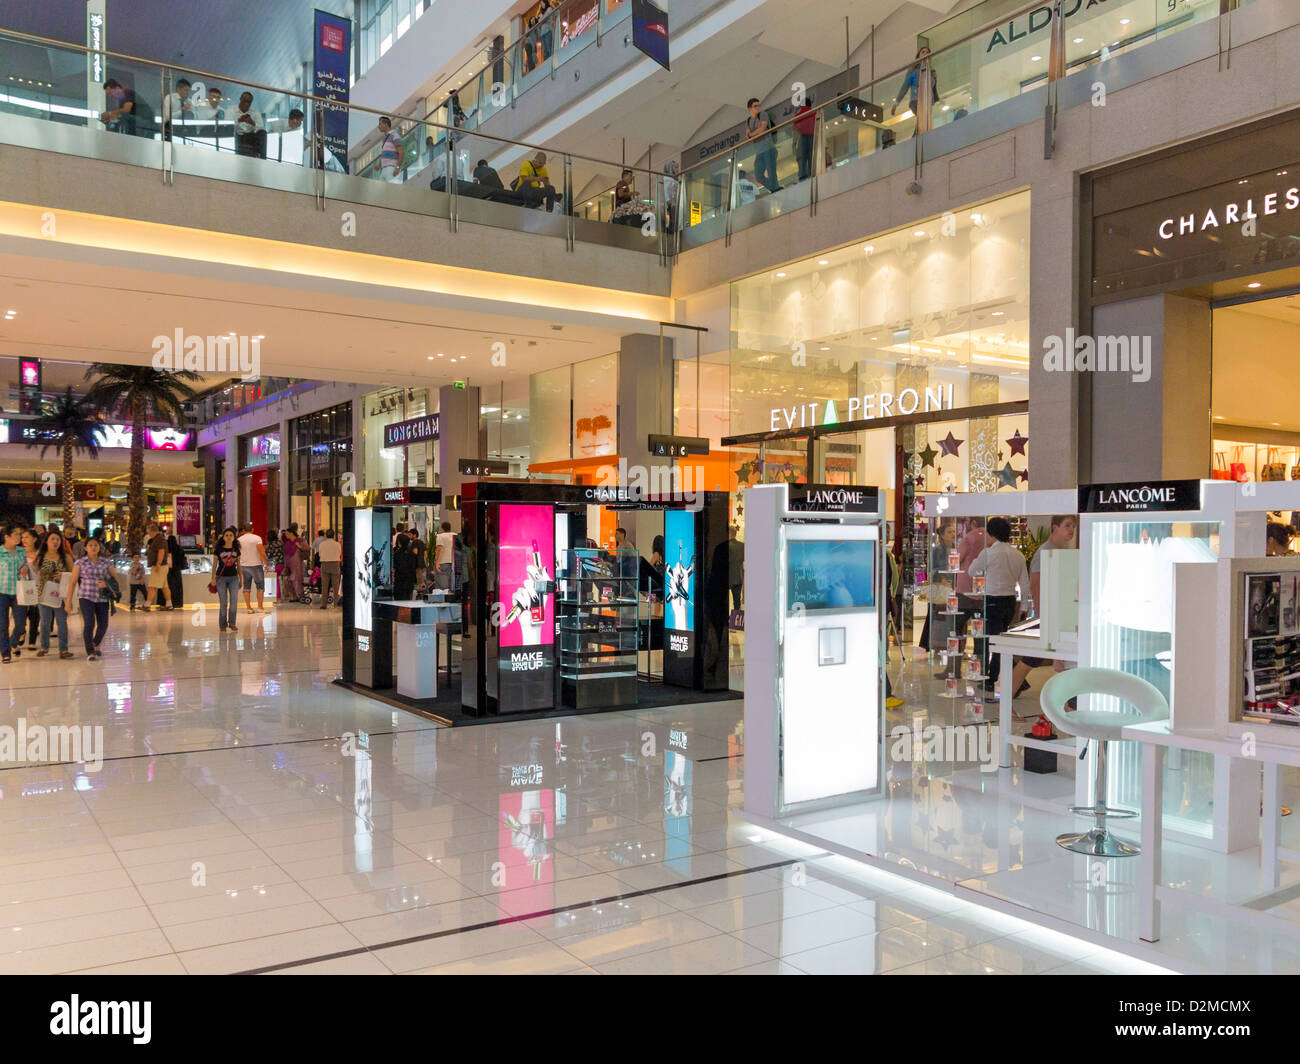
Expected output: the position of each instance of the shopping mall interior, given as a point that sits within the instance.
(481, 497)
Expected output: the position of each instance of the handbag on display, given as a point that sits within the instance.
(1220, 470)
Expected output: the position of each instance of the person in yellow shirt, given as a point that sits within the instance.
(534, 182)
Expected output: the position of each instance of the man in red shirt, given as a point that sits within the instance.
(805, 124)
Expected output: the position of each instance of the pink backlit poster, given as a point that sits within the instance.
(525, 556)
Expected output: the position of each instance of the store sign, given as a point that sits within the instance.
(395, 497)
(96, 24)
(832, 498)
(862, 110)
(482, 467)
(862, 408)
(1237, 211)
(1038, 19)
(1140, 497)
(416, 430)
(676, 446)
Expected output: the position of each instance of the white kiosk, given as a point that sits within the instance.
(815, 650)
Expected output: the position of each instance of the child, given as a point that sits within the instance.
(138, 578)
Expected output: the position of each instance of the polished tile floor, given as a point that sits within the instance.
(251, 817)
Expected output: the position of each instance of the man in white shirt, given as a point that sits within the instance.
(444, 558)
(331, 555)
(746, 190)
(178, 109)
(252, 564)
(391, 152)
(1061, 537)
(1003, 568)
(250, 128)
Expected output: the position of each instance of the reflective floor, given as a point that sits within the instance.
(251, 817)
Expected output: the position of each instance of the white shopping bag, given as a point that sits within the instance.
(55, 592)
(27, 593)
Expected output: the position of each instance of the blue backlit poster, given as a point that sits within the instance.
(679, 570)
(332, 49)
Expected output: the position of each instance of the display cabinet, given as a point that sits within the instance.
(597, 628)
(957, 638)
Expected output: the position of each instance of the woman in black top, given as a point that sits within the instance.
(225, 577)
(176, 559)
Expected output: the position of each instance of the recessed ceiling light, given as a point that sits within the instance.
(1253, 284)
(440, 354)
(869, 248)
(780, 275)
(823, 262)
(918, 232)
(1035, 58)
(1125, 21)
(998, 313)
(429, 357)
(1078, 40)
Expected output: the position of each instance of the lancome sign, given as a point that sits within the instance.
(1140, 497)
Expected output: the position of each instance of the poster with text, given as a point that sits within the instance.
(680, 570)
(526, 556)
(333, 53)
(189, 514)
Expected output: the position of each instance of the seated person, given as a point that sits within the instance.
(534, 183)
(486, 176)
(746, 190)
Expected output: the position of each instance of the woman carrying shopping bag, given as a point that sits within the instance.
(54, 591)
(93, 574)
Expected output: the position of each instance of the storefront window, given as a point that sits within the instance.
(415, 465)
(926, 319)
(574, 411)
(320, 455)
(505, 417)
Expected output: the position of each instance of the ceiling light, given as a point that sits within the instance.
(1125, 21)
(1078, 40)
(440, 354)
(823, 262)
(1253, 284)
(918, 232)
(429, 357)
(1035, 58)
(780, 275)
(869, 248)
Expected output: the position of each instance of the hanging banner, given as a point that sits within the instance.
(333, 50)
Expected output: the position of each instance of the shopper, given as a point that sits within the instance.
(30, 550)
(392, 153)
(805, 126)
(250, 128)
(758, 128)
(53, 562)
(138, 578)
(315, 547)
(672, 187)
(404, 565)
(159, 558)
(175, 579)
(735, 566)
(94, 571)
(252, 566)
(920, 71)
(226, 559)
(625, 200)
(1278, 540)
(178, 108)
(487, 177)
(934, 632)
(421, 553)
(331, 560)
(1003, 569)
(1059, 537)
(126, 112)
(534, 183)
(444, 558)
(11, 560)
(293, 563)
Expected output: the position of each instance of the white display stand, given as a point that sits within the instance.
(814, 670)
(417, 644)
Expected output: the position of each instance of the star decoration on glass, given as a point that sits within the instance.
(928, 455)
(1007, 477)
(945, 837)
(1017, 443)
(1024, 474)
(950, 445)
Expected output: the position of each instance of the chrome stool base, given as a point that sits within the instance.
(1096, 843)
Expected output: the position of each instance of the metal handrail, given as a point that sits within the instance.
(315, 100)
(890, 76)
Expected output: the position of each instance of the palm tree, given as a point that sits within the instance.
(69, 424)
(140, 393)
